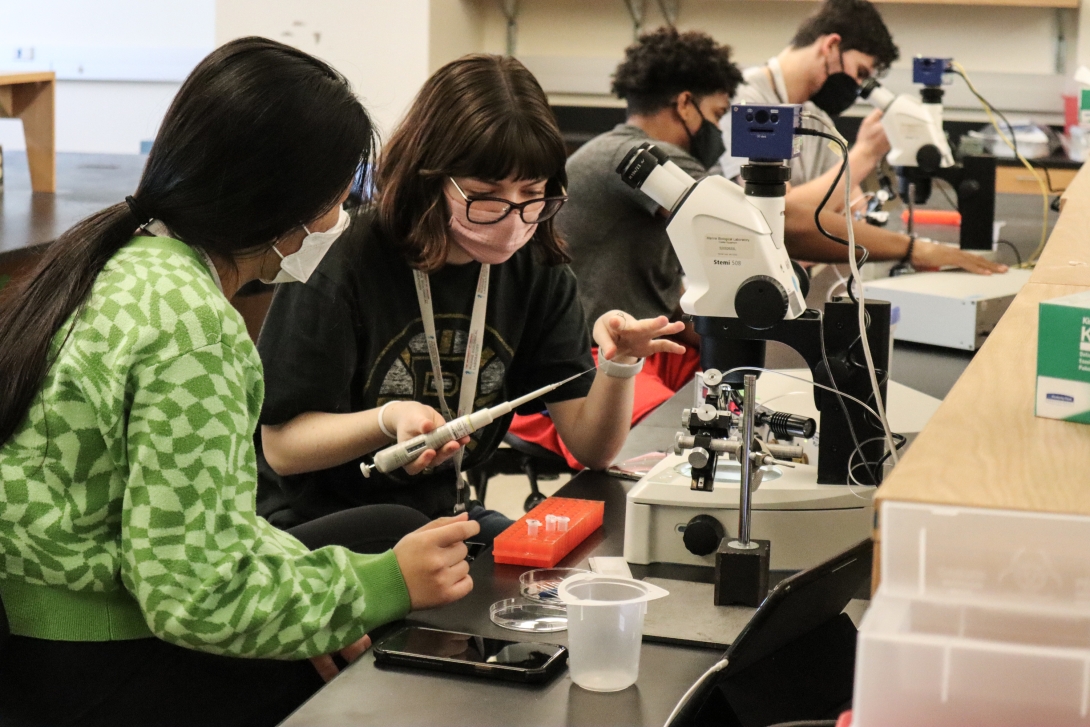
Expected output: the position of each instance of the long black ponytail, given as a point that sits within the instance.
(260, 139)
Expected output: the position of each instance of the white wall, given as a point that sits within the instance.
(117, 43)
(456, 28)
(381, 46)
(990, 41)
(387, 49)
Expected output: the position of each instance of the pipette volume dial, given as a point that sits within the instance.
(400, 454)
(405, 452)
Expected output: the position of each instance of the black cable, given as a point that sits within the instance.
(1048, 177)
(1014, 139)
(825, 200)
(994, 110)
(942, 189)
(1014, 249)
(843, 405)
(832, 187)
(851, 294)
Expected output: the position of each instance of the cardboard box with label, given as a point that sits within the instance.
(1063, 358)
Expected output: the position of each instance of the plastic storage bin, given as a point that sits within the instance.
(982, 618)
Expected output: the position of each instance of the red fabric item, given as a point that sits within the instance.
(662, 376)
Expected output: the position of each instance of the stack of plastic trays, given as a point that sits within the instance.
(539, 539)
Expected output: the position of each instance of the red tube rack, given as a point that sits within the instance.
(544, 550)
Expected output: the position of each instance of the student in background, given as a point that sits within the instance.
(838, 48)
(460, 239)
(677, 86)
(140, 585)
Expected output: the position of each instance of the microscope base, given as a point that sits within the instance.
(806, 523)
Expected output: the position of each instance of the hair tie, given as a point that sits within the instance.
(142, 218)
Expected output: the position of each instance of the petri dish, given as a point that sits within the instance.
(540, 584)
(521, 614)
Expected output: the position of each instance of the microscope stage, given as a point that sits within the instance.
(781, 488)
(806, 523)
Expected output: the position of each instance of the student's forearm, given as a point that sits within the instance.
(805, 242)
(595, 428)
(862, 163)
(320, 440)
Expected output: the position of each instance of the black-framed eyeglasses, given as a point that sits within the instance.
(490, 210)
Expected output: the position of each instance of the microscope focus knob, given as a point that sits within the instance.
(929, 158)
(761, 302)
(703, 535)
(699, 458)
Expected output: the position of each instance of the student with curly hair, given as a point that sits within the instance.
(677, 86)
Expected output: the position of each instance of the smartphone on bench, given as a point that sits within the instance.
(450, 651)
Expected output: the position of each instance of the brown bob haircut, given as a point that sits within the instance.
(481, 116)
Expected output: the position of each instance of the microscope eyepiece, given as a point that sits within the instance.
(650, 170)
(637, 167)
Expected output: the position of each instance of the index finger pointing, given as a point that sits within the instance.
(454, 533)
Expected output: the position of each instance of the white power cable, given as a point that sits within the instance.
(863, 314)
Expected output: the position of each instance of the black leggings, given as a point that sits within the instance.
(148, 682)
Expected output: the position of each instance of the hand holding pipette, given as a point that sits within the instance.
(402, 453)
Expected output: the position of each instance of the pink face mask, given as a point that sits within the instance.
(490, 244)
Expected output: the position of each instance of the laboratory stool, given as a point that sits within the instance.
(519, 457)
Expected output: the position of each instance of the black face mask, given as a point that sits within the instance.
(838, 93)
(706, 145)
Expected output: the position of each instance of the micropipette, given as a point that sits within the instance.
(402, 453)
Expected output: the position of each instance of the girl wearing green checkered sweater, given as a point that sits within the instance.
(140, 586)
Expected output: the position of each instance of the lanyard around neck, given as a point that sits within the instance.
(779, 85)
(471, 369)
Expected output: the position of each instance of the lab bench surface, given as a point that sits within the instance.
(368, 694)
(984, 447)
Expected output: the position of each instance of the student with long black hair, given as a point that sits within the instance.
(450, 294)
(140, 585)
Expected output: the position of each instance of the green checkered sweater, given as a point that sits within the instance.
(127, 505)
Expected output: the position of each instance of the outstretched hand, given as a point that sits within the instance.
(623, 338)
(932, 256)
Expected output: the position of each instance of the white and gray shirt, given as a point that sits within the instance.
(765, 85)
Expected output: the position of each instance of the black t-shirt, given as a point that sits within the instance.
(352, 338)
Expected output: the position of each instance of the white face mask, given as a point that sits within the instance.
(301, 264)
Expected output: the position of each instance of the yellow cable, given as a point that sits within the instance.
(1040, 182)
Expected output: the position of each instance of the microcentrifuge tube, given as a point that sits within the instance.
(532, 527)
(562, 523)
(550, 523)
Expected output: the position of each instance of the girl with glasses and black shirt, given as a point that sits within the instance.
(449, 293)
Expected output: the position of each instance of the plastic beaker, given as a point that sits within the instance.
(605, 628)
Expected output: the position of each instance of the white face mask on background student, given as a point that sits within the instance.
(301, 264)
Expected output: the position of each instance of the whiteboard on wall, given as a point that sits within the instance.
(107, 40)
